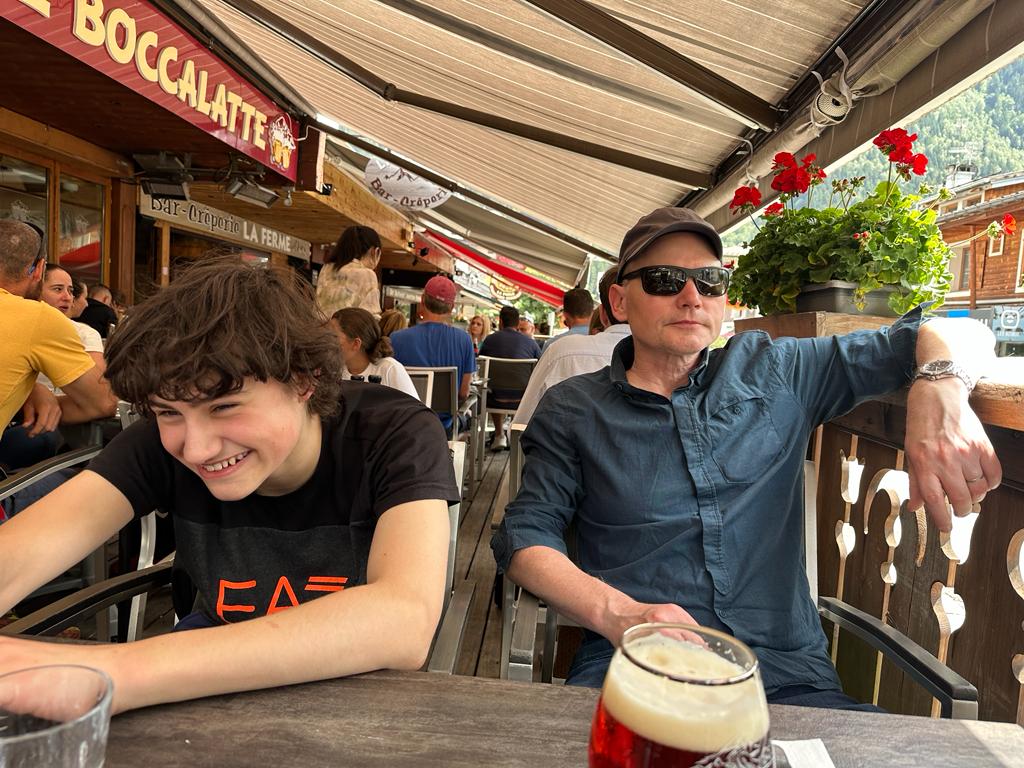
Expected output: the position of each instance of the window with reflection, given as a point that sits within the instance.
(960, 268)
(24, 189)
(80, 241)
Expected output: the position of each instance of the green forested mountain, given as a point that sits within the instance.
(984, 125)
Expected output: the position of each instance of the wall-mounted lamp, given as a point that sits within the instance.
(251, 192)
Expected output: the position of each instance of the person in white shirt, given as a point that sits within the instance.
(366, 352)
(59, 293)
(574, 354)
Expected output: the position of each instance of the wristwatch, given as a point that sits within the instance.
(944, 369)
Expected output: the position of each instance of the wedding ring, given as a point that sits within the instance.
(974, 479)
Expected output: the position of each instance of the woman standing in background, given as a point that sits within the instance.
(348, 278)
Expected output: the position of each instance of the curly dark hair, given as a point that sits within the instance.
(221, 322)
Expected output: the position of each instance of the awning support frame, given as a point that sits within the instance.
(391, 92)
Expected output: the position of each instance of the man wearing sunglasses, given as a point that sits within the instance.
(680, 469)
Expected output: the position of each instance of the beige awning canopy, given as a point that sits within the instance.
(572, 119)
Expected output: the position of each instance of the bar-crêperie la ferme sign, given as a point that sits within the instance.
(136, 45)
(202, 218)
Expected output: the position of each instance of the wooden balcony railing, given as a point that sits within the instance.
(959, 596)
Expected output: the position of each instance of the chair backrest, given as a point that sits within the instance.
(506, 373)
(811, 526)
(515, 460)
(424, 383)
(444, 397)
(458, 454)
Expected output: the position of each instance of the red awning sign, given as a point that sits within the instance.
(539, 289)
(135, 44)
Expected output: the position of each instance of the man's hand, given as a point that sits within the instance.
(950, 454)
(41, 412)
(643, 613)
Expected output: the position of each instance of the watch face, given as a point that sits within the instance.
(938, 366)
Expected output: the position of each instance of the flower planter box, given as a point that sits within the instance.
(804, 325)
(837, 296)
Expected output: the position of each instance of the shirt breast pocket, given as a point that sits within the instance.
(744, 439)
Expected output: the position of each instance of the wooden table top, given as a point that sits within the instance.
(422, 719)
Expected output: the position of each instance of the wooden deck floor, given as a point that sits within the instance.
(481, 647)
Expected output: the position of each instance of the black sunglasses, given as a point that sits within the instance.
(668, 281)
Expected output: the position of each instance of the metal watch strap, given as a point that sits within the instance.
(944, 369)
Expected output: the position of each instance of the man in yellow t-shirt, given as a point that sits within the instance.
(38, 338)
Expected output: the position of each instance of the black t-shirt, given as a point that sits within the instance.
(99, 316)
(262, 554)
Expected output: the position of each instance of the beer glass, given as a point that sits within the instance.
(56, 715)
(681, 695)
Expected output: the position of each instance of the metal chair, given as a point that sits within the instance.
(499, 373)
(423, 380)
(440, 393)
(957, 697)
(94, 567)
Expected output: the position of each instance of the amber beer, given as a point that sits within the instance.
(681, 696)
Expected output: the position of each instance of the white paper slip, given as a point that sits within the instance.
(809, 753)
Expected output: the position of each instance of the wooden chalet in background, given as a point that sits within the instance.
(988, 274)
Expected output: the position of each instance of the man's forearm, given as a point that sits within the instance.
(588, 601)
(962, 340)
(100, 407)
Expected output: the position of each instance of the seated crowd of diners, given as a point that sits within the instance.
(309, 488)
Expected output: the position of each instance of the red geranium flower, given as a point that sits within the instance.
(808, 159)
(1009, 224)
(744, 196)
(783, 160)
(897, 144)
(792, 180)
(774, 209)
(919, 164)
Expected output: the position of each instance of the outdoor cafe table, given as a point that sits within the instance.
(424, 719)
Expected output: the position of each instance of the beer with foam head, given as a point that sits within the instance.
(681, 696)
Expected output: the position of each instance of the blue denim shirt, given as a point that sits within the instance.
(698, 500)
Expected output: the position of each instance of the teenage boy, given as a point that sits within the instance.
(310, 515)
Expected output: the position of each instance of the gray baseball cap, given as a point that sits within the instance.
(663, 221)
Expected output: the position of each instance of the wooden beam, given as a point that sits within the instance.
(601, 25)
(163, 259)
(18, 128)
(356, 202)
(123, 208)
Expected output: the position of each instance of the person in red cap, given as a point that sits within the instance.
(434, 342)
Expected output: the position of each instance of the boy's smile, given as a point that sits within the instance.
(260, 439)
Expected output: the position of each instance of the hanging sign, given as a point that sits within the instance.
(197, 217)
(134, 43)
(401, 189)
(504, 292)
